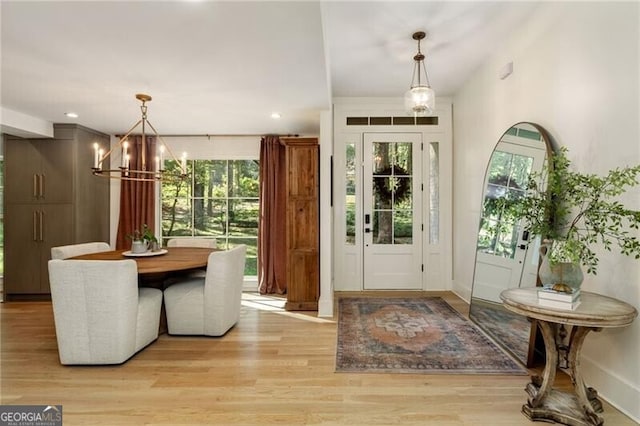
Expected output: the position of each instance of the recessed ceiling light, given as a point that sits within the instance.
(275, 115)
(71, 114)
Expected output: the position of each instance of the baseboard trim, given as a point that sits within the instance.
(617, 391)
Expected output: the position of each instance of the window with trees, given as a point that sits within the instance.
(219, 199)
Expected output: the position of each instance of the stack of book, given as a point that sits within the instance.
(559, 300)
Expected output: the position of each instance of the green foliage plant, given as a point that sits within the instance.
(144, 234)
(577, 211)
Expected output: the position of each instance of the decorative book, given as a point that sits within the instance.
(548, 293)
(558, 304)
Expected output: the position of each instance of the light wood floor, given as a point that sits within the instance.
(274, 367)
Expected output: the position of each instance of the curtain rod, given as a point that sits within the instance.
(290, 135)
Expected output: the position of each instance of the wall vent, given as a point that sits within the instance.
(392, 121)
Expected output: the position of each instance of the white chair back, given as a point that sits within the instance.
(223, 290)
(209, 305)
(192, 242)
(97, 309)
(72, 250)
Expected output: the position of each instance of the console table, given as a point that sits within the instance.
(595, 312)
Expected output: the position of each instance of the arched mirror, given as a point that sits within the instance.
(505, 258)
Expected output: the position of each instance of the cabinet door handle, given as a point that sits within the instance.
(35, 226)
(42, 186)
(35, 185)
(41, 225)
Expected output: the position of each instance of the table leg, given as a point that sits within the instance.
(587, 397)
(570, 408)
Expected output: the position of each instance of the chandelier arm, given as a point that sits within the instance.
(122, 139)
(109, 174)
(144, 138)
(163, 142)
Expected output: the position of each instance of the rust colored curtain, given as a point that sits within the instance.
(272, 244)
(136, 198)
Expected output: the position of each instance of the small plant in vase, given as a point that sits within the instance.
(572, 212)
(143, 240)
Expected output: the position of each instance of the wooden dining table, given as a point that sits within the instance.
(175, 259)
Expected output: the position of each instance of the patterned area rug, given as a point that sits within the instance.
(421, 335)
(511, 329)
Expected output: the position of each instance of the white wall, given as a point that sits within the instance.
(576, 72)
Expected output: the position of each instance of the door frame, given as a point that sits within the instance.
(347, 257)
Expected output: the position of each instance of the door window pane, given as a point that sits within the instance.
(350, 194)
(434, 192)
(392, 181)
(402, 227)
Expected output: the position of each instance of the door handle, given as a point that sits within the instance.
(35, 225)
(367, 230)
(367, 219)
(42, 186)
(41, 225)
(35, 185)
(522, 246)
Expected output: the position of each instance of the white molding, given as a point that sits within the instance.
(621, 392)
(325, 303)
(23, 125)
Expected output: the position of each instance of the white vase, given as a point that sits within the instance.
(139, 246)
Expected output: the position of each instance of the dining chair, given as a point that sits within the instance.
(100, 314)
(71, 250)
(208, 306)
(192, 242)
(189, 242)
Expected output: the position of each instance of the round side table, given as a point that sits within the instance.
(594, 313)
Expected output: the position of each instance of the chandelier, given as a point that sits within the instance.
(420, 99)
(146, 172)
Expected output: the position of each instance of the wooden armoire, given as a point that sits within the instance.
(302, 215)
(51, 199)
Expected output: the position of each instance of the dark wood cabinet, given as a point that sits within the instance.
(302, 205)
(51, 199)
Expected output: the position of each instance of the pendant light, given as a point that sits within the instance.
(419, 100)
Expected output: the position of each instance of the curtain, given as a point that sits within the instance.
(272, 244)
(137, 199)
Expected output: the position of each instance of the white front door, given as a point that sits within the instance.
(504, 258)
(392, 208)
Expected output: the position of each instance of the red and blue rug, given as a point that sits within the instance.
(414, 335)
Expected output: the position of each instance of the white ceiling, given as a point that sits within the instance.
(223, 67)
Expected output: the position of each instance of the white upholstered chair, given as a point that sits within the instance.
(192, 242)
(65, 252)
(100, 314)
(208, 306)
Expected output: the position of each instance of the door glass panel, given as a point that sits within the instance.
(434, 193)
(392, 196)
(350, 194)
(402, 227)
(507, 180)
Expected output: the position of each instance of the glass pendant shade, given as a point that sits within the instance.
(420, 101)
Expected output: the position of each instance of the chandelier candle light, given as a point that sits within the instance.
(125, 172)
(420, 99)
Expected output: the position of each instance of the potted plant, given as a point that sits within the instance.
(573, 211)
(143, 240)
